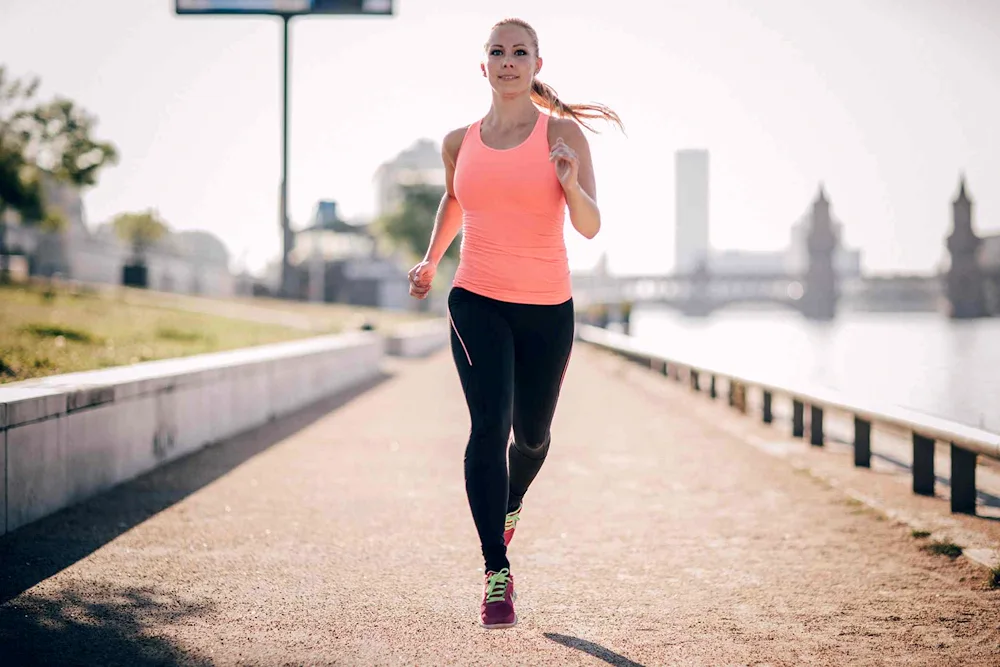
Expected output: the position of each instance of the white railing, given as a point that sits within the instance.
(966, 442)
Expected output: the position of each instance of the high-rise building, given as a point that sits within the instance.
(691, 213)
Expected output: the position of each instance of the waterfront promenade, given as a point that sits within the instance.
(663, 530)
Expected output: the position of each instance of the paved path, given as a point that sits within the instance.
(652, 536)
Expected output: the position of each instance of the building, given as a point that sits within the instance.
(747, 262)
(792, 260)
(989, 260)
(339, 262)
(846, 261)
(973, 277)
(191, 262)
(691, 247)
(420, 163)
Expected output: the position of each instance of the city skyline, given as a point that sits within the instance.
(886, 104)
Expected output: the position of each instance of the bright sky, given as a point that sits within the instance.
(885, 101)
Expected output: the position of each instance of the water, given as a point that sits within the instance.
(921, 361)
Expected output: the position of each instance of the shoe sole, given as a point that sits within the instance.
(499, 626)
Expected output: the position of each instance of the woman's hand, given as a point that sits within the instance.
(421, 276)
(567, 164)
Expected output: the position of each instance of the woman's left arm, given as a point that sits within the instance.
(575, 170)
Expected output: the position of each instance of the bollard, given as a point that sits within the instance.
(740, 397)
(862, 443)
(963, 480)
(711, 389)
(695, 382)
(798, 417)
(768, 415)
(923, 465)
(816, 426)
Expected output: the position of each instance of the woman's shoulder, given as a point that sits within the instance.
(453, 142)
(567, 129)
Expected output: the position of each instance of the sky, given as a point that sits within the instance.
(885, 102)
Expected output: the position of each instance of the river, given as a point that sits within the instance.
(922, 361)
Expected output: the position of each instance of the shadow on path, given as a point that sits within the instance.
(45, 547)
(593, 649)
(70, 628)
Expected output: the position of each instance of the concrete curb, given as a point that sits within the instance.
(418, 339)
(65, 438)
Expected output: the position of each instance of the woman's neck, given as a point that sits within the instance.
(511, 112)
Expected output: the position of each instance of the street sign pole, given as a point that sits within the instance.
(285, 290)
(287, 10)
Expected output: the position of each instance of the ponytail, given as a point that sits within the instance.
(545, 96)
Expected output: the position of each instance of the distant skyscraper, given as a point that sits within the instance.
(691, 212)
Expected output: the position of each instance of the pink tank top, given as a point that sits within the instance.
(513, 210)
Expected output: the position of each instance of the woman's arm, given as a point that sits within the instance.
(575, 169)
(448, 220)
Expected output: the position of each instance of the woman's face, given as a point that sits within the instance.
(511, 60)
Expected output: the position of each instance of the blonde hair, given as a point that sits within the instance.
(546, 97)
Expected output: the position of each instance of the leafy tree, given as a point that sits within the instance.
(52, 138)
(140, 230)
(410, 226)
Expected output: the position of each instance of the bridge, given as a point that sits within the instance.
(692, 294)
(970, 287)
(702, 294)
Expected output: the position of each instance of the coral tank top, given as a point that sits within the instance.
(513, 211)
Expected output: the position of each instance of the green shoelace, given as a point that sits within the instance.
(512, 519)
(496, 585)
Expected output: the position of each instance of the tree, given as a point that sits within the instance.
(51, 139)
(410, 226)
(140, 230)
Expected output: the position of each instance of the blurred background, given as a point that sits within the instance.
(810, 190)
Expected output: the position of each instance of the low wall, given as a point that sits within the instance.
(68, 437)
(418, 339)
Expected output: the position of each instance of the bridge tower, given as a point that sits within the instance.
(965, 283)
(819, 300)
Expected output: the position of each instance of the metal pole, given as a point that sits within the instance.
(286, 234)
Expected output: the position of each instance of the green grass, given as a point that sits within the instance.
(944, 549)
(920, 534)
(993, 578)
(47, 331)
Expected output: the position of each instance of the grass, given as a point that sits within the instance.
(48, 331)
(920, 534)
(993, 579)
(943, 549)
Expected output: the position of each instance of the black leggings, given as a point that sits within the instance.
(511, 359)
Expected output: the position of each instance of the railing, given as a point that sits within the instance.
(967, 443)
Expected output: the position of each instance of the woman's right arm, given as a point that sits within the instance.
(448, 220)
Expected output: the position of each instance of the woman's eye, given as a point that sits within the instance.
(521, 52)
(495, 52)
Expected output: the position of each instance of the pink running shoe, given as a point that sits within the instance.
(497, 610)
(510, 524)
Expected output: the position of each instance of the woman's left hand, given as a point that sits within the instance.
(567, 164)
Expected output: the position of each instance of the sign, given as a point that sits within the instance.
(284, 7)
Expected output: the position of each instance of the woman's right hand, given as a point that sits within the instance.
(421, 276)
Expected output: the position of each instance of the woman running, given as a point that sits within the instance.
(509, 179)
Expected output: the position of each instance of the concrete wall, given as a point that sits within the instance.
(418, 339)
(68, 437)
